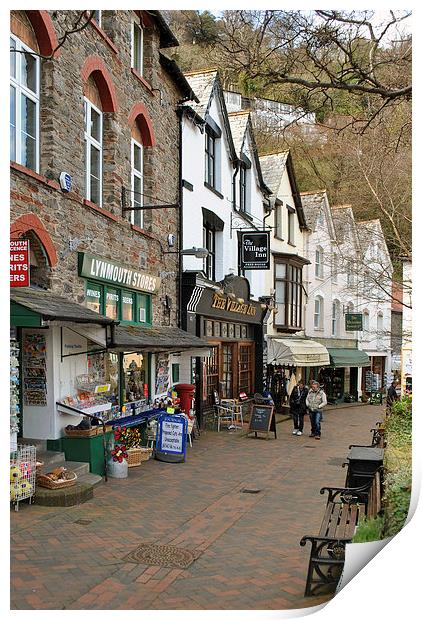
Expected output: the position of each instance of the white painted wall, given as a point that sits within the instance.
(193, 171)
(281, 245)
(323, 237)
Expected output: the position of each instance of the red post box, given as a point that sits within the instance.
(185, 392)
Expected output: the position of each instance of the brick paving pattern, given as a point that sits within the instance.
(247, 544)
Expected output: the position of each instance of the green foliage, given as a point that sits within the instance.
(398, 486)
(369, 530)
(398, 465)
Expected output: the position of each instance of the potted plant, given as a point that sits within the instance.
(117, 465)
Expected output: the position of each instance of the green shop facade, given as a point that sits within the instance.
(102, 356)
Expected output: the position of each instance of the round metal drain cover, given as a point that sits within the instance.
(162, 555)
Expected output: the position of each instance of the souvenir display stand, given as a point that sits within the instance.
(23, 465)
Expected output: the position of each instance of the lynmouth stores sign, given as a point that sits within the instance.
(98, 268)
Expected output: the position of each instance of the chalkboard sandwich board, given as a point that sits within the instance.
(262, 420)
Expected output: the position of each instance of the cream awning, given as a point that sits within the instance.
(297, 352)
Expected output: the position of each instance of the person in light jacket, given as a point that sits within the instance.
(316, 401)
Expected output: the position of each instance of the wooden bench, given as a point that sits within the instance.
(344, 509)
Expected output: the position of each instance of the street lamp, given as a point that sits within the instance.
(196, 252)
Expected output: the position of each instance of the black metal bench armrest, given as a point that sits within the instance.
(307, 538)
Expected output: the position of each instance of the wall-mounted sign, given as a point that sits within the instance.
(254, 250)
(105, 270)
(222, 302)
(19, 263)
(354, 322)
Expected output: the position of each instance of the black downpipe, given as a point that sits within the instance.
(180, 236)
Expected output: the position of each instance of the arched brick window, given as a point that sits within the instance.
(25, 70)
(100, 101)
(94, 66)
(142, 135)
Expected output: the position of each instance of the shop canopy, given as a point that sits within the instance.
(297, 352)
(31, 307)
(342, 358)
(155, 339)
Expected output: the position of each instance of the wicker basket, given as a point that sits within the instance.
(134, 457)
(145, 453)
(90, 432)
(45, 481)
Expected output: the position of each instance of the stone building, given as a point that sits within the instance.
(94, 131)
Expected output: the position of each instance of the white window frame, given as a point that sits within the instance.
(291, 215)
(90, 141)
(140, 67)
(365, 320)
(319, 271)
(334, 317)
(318, 315)
(334, 270)
(20, 90)
(139, 174)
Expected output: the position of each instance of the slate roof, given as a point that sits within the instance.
(154, 339)
(52, 307)
(238, 124)
(366, 231)
(312, 204)
(174, 70)
(167, 38)
(273, 167)
(343, 220)
(202, 84)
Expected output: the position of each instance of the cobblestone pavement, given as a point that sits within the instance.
(247, 543)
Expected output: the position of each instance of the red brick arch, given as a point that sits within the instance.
(139, 114)
(44, 31)
(95, 66)
(30, 222)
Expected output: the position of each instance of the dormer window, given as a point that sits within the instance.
(212, 155)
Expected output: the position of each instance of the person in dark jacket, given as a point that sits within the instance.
(392, 395)
(298, 406)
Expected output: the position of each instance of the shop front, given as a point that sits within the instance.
(102, 358)
(376, 375)
(51, 339)
(341, 378)
(230, 322)
(290, 360)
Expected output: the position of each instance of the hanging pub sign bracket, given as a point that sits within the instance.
(237, 221)
(254, 249)
(143, 207)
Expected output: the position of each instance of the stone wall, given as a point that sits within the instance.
(67, 218)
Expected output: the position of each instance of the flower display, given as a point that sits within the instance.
(128, 437)
(118, 453)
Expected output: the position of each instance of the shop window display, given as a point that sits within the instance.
(135, 377)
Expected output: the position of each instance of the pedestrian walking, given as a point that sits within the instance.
(316, 401)
(298, 406)
(392, 395)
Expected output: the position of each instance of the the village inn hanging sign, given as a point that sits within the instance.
(105, 270)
